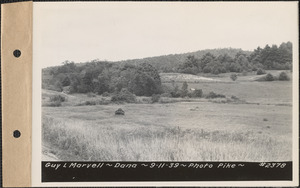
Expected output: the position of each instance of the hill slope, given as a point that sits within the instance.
(173, 60)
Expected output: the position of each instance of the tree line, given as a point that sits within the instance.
(278, 58)
(142, 77)
(100, 77)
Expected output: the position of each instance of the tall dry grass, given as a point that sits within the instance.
(76, 140)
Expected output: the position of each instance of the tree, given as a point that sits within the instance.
(66, 81)
(283, 76)
(286, 52)
(233, 77)
(260, 72)
(206, 59)
(148, 80)
(124, 96)
(190, 66)
(224, 59)
(184, 89)
(58, 86)
(269, 77)
(197, 93)
(101, 84)
(142, 80)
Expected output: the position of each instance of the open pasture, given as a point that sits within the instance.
(178, 131)
(245, 88)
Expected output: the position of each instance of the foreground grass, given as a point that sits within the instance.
(88, 140)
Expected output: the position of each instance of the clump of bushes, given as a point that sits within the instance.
(55, 101)
(90, 103)
(90, 94)
(124, 96)
(57, 98)
(105, 94)
(260, 72)
(53, 104)
(213, 95)
(233, 97)
(166, 95)
(283, 76)
(233, 77)
(269, 77)
(155, 98)
(197, 93)
(244, 73)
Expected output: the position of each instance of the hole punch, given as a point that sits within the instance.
(17, 133)
(17, 53)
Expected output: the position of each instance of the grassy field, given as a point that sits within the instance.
(197, 130)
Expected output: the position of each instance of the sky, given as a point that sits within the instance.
(112, 31)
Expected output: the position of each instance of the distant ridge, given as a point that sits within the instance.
(175, 59)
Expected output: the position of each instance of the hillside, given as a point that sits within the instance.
(169, 63)
(141, 76)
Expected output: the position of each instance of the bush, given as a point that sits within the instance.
(57, 98)
(155, 98)
(124, 96)
(244, 73)
(233, 77)
(164, 100)
(175, 92)
(233, 97)
(90, 103)
(260, 72)
(283, 77)
(53, 104)
(166, 95)
(213, 95)
(90, 94)
(197, 93)
(269, 77)
(105, 94)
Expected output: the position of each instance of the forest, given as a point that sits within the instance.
(142, 76)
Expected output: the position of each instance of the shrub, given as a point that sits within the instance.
(233, 77)
(105, 94)
(213, 95)
(124, 96)
(244, 73)
(57, 98)
(283, 76)
(184, 89)
(144, 100)
(155, 98)
(260, 72)
(269, 77)
(53, 104)
(166, 95)
(164, 100)
(175, 92)
(197, 93)
(215, 71)
(90, 103)
(90, 94)
(233, 97)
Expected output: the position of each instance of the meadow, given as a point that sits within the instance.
(257, 129)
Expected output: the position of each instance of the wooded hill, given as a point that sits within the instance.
(141, 76)
(171, 62)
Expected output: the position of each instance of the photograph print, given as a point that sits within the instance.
(168, 81)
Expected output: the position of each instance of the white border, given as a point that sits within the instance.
(36, 133)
